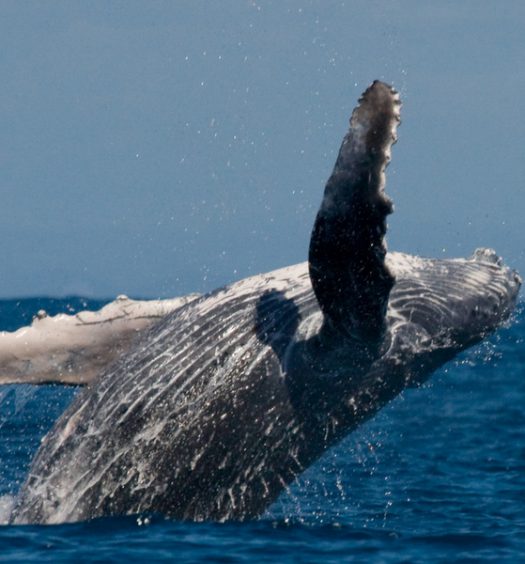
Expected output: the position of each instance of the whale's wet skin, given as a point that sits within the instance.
(220, 405)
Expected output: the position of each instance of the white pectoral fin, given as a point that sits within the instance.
(74, 349)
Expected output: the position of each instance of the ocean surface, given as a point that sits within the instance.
(436, 476)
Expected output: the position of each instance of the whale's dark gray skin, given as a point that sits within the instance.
(228, 399)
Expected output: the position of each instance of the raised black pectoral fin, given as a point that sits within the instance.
(347, 248)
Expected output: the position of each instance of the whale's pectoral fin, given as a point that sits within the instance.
(347, 249)
(76, 349)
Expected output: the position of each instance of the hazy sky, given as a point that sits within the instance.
(157, 148)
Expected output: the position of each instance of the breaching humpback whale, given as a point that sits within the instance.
(222, 403)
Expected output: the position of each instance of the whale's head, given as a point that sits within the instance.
(496, 289)
(439, 307)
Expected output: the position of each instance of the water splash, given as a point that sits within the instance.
(7, 503)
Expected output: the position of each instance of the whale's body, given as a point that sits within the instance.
(225, 401)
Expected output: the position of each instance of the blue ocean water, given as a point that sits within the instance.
(437, 476)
